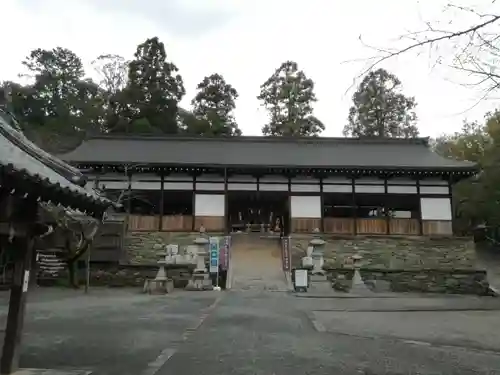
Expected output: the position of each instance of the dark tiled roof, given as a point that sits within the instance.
(59, 182)
(263, 151)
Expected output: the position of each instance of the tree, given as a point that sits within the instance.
(213, 108)
(60, 107)
(470, 143)
(472, 48)
(476, 200)
(288, 95)
(154, 88)
(380, 109)
(112, 71)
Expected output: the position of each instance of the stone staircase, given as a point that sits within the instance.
(256, 263)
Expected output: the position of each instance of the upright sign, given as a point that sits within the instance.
(214, 254)
(224, 253)
(285, 253)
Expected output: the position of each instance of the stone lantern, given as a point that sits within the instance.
(358, 285)
(201, 244)
(318, 249)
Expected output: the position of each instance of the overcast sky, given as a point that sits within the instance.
(245, 40)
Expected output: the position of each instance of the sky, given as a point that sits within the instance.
(246, 40)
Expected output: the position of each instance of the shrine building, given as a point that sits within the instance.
(344, 186)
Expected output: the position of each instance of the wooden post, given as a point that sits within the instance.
(87, 269)
(419, 217)
(23, 250)
(227, 228)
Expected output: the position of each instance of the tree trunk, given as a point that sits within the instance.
(72, 275)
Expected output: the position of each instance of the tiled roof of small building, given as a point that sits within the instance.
(47, 176)
(310, 152)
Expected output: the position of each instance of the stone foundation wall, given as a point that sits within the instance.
(140, 246)
(120, 276)
(400, 263)
(393, 252)
(453, 281)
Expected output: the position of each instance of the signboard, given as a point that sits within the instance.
(214, 254)
(285, 253)
(224, 253)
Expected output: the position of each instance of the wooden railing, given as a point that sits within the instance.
(338, 225)
(210, 223)
(379, 226)
(143, 223)
(177, 223)
(437, 227)
(305, 225)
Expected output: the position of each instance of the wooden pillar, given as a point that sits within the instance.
(23, 248)
(386, 211)
(419, 217)
(129, 197)
(226, 200)
(162, 202)
(450, 192)
(290, 220)
(354, 207)
(194, 203)
(322, 203)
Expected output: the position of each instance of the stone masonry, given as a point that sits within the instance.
(140, 246)
(401, 263)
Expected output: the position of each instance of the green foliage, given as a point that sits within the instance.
(380, 109)
(154, 87)
(476, 200)
(213, 108)
(288, 95)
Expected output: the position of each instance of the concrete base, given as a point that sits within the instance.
(158, 286)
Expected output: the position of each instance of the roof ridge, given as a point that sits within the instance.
(247, 138)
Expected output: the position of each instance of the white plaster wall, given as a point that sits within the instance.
(337, 180)
(305, 188)
(369, 189)
(177, 185)
(436, 208)
(241, 186)
(337, 188)
(209, 186)
(113, 185)
(273, 187)
(402, 189)
(434, 190)
(209, 205)
(146, 185)
(369, 180)
(305, 206)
